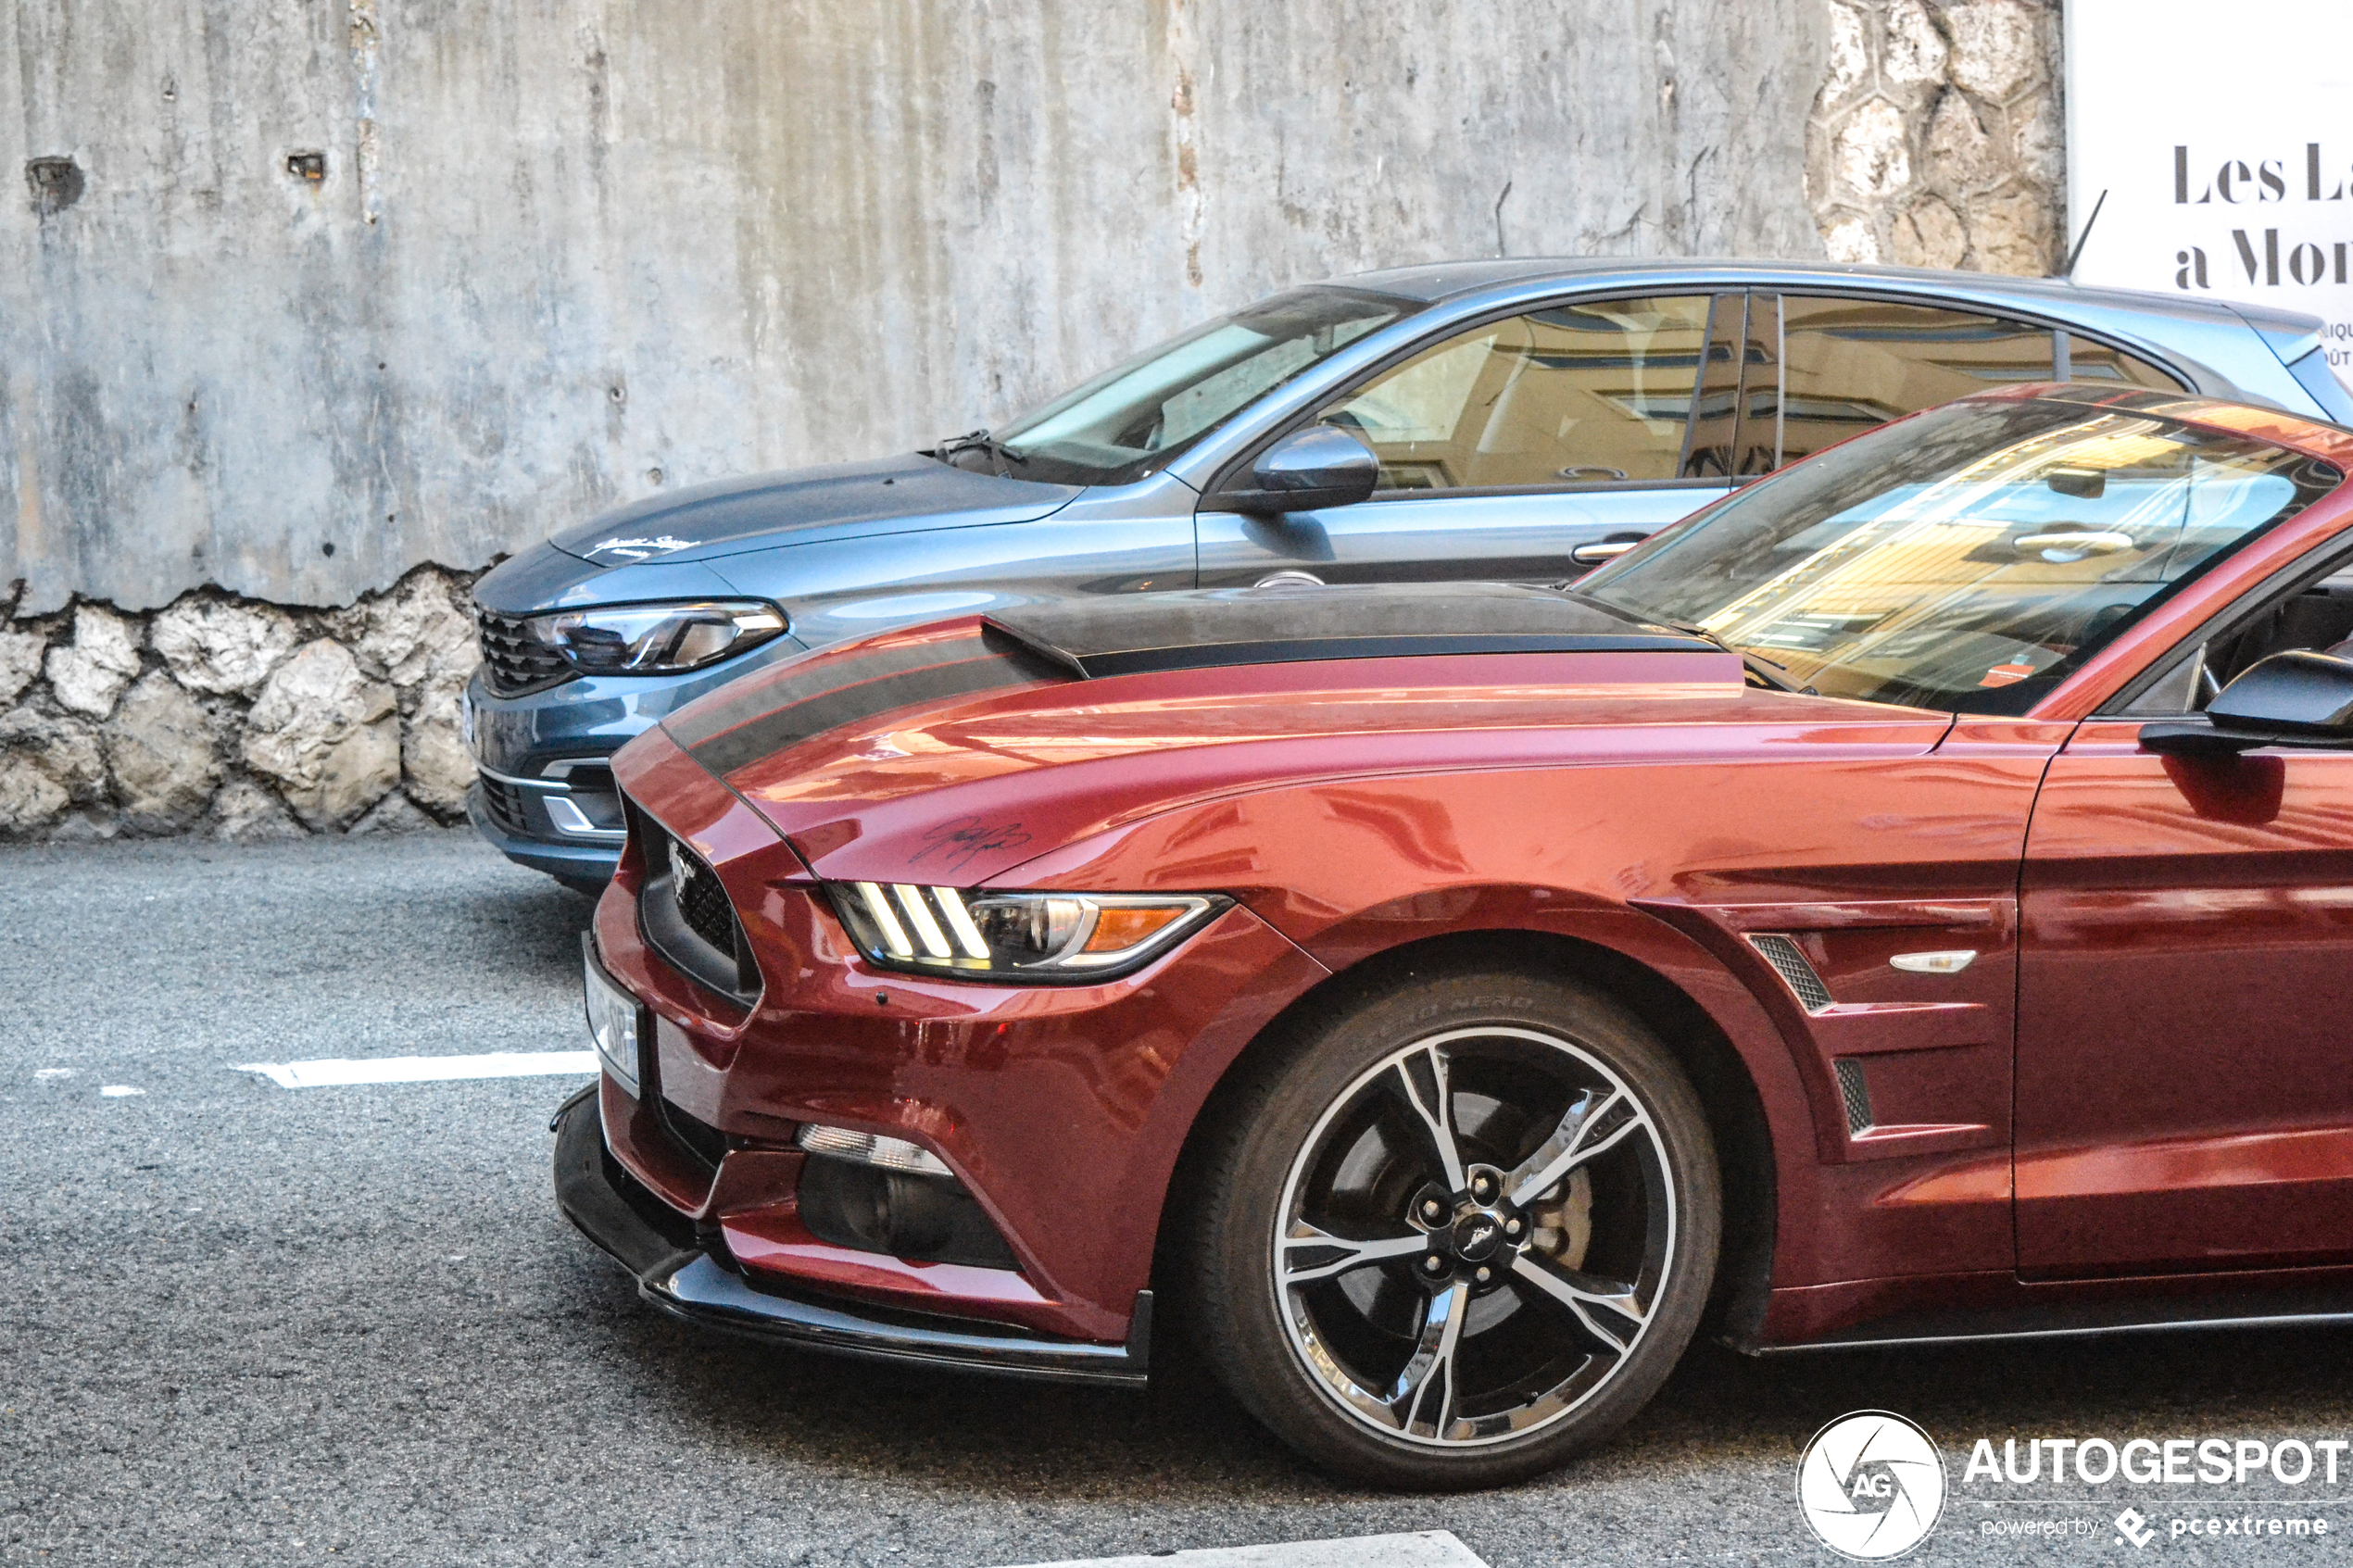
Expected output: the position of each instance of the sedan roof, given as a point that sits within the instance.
(1449, 280)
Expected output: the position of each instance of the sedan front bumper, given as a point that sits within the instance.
(585, 865)
(695, 1282)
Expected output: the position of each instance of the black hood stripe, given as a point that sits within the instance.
(855, 690)
(1133, 635)
(1296, 650)
(747, 700)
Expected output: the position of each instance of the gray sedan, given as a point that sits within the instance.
(1514, 420)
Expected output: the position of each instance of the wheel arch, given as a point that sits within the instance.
(1729, 1093)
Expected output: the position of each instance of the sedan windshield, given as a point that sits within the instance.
(1967, 560)
(1129, 420)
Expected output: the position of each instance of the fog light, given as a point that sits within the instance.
(922, 1219)
(865, 1148)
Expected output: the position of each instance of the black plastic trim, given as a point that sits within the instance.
(667, 932)
(695, 1285)
(2080, 1320)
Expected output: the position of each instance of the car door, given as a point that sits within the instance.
(2185, 1070)
(1507, 445)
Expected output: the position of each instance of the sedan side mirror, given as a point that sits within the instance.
(1307, 471)
(2302, 699)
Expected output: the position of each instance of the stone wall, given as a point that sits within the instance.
(236, 719)
(1939, 138)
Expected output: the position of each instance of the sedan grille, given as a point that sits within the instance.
(502, 802)
(514, 662)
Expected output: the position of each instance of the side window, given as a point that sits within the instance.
(2318, 617)
(2089, 361)
(1598, 390)
(1850, 364)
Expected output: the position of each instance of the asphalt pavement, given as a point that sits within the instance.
(241, 1323)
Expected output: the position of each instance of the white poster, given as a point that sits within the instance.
(2222, 136)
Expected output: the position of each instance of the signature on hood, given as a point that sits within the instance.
(640, 549)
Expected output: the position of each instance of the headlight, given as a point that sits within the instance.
(656, 639)
(1037, 936)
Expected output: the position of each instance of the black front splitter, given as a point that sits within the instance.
(688, 1281)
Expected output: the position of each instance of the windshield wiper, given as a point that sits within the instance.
(1765, 670)
(1772, 674)
(977, 440)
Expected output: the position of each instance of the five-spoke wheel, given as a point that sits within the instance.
(1490, 1230)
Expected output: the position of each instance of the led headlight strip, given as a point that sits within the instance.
(988, 934)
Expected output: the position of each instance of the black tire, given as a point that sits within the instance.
(1339, 1100)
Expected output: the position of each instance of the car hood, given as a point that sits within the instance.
(959, 751)
(900, 495)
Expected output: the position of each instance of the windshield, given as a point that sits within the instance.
(1969, 558)
(1132, 418)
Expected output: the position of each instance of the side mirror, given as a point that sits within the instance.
(2302, 699)
(1309, 469)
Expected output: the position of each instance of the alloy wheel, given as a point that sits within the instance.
(1472, 1239)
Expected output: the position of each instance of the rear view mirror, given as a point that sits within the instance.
(2300, 699)
(1307, 471)
(2089, 484)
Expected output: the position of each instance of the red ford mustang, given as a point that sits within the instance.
(1912, 900)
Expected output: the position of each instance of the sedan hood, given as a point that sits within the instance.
(959, 751)
(901, 494)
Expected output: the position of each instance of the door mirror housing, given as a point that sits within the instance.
(1307, 471)
(2300, 699)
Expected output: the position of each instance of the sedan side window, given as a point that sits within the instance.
(1597, 390)
(2095, 362)
(1850, 364)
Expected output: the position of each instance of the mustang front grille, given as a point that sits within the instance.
(514, 662)
(685, 915)
(701, 901)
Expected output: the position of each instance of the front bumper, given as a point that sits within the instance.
(693, 1281)
(546, 798)
(586, 863)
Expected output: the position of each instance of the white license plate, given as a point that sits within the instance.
(618, 1024)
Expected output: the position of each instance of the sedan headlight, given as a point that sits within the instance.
(1031, 936)
(656, 639)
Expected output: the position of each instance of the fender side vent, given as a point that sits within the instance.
(1857, 1092)
(1789, 959)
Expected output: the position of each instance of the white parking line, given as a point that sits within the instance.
(1422, 1549)
(421, 1069)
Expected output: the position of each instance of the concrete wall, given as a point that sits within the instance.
(256, 428)
(561, 252)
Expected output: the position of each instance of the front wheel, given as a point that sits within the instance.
(1457, 1231)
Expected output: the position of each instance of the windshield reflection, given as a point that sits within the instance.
(1969, 558)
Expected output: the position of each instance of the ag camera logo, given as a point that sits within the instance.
(1872, 1486)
